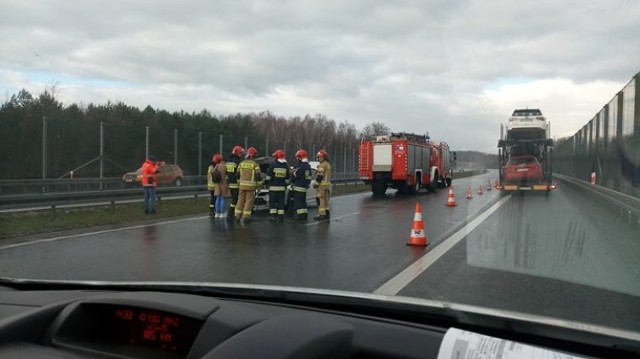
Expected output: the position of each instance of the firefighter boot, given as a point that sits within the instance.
(211, 211)
(281, 218)
(320, 218)
(328, 215)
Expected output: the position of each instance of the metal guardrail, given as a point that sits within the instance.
(627, 207)
(40, 186)
(81, 198)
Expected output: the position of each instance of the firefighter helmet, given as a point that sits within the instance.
(216, 158)
(252, 152)
(237, 150)
(323, 154)
(278, 155)
(301, 154)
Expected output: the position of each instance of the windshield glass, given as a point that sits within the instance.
(346, 145)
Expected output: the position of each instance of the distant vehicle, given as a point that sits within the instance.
(406, 162)
(168, 174)
(262, 193)
(523, 169)
(525, 152)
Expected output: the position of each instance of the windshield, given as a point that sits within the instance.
(344, 145)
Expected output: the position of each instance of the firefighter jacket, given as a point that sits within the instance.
(301, 176)
(148, 172)
(248, 174)
(278, 176)
(211, 186)
(323, 177)
(232, 166)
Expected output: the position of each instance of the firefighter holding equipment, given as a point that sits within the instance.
(301, 177)
(278, 177)
(248, 177)
(232, 166)
(322, 184)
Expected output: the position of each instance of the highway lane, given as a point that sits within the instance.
(517, 258)
(561, 255)
(363, 245)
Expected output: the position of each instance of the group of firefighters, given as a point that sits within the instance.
(239, 177)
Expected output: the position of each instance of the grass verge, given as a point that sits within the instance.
(45, 221)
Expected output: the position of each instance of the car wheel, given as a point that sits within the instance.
(178, 182)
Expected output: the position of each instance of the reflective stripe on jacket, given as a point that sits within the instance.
(278, 176)
(248, 174)
(232, 166)
(301, 177)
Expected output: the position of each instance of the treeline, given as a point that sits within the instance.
(73, 136)
(476, 160)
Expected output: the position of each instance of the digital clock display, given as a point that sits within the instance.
(152, 328)
(101, 326)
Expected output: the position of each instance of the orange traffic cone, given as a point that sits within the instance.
(469, 196)
(418, 236)
(451, 201)
(488, 185)
(480, 190)
(496, 184)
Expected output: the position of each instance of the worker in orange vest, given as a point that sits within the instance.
(149, 183)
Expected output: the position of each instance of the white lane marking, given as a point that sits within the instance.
(98, 232)
(394, 285)
(336, 218)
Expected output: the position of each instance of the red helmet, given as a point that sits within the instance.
(323, 154)
(237, 150)
(252, 152)
(279, 154)
(216, 158)
(301, 154)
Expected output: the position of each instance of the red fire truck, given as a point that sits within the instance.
(406, 162)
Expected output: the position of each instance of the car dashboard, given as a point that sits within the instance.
(114, 323)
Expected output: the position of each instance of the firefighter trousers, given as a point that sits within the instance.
(323, 196)
(233, 202)
(244, 206)
(300, 203)
(276, 202)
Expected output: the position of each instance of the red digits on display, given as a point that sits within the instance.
(125, 314)
(149, 335)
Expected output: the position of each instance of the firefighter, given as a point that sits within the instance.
(278, 177)
(149, 183)
(211, 186)
(232, 165)
(301, 176)
(322, 184)
(248, 176)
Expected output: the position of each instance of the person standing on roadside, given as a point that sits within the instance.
(278, 177)
(211, 186)
(232, 165)
(322, 184)
(149, 182)
(222, 187)
(248, 175)
(301, 177)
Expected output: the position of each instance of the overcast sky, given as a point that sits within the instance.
(454, 68)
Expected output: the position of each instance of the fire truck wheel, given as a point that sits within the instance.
(378, 188)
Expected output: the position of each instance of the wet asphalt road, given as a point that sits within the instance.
(560, 255)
